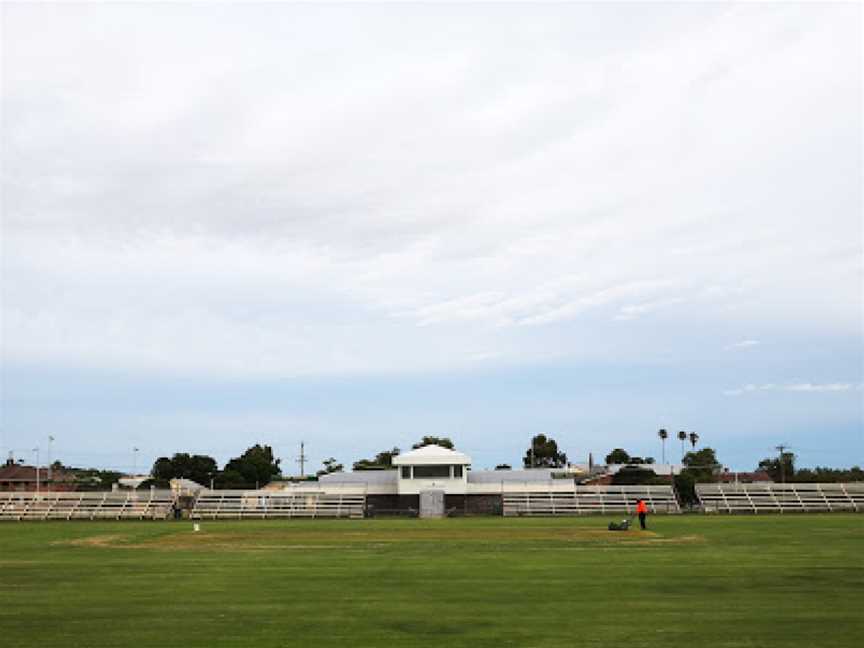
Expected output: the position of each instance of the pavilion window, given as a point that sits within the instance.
(457, 472)
(406, 472)
(431, 472)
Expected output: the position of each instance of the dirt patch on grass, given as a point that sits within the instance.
(236, 542)
(93, 541)
(189, 540)
(300, 539)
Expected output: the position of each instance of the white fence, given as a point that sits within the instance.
(116, 505)
(780, 498)
(228, 504)
(583, 500)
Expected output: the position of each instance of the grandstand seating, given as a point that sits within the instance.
(763, 497)
(276, 504)
(584, 500)
(116, 505)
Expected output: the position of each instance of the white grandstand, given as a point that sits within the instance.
(581, 500)
(115, 505)
(762, 497)
(268, 504)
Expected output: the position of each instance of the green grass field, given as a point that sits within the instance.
(795, 580)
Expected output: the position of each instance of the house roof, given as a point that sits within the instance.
(658, 469)
(360, 477)
(496, 476)
(431, 455)
(19, 473)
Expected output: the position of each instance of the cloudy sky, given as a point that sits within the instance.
(354, 225)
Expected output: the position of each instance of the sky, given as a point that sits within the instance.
(355, 225)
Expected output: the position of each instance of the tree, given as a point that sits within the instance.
(618, 456)
(382, 461)
(822, 474)
(699, 467)
(444, 442)
(633, 475)
(163, 469)
(94, 478)
(682, 437)
(330, 466)
(663, 434)
(544, 453)
(231, 479)
(255, 466)
(693, 439)
(198, 468)
(779, 468)
(702, 465)
(685, 488)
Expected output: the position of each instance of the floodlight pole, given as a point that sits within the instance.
(36, 450)
(50, 457)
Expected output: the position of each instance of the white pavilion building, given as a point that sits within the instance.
(433, 479)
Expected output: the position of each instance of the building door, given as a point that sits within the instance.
(432, 504)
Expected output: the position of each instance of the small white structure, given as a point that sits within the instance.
(432, 467)
(132, 481)
(183, 486)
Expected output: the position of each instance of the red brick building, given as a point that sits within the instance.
(15, 477)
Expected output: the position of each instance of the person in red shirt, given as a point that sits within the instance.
(642, 512)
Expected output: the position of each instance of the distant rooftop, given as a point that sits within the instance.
(496, 476)
(360, 477)
(12, 472)
(431, 455)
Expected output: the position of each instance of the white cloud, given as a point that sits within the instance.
(634, 311)
(274, 189)
(743, 344)
(794, 387)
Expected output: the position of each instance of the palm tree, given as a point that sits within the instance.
(682, 437)
(693, 439)
(663, 434)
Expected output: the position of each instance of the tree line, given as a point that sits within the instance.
(782, 469)
(257, 466)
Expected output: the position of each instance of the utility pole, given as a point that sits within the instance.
(302, 459)
(50, 457)
(36, 450)
(781, 448)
